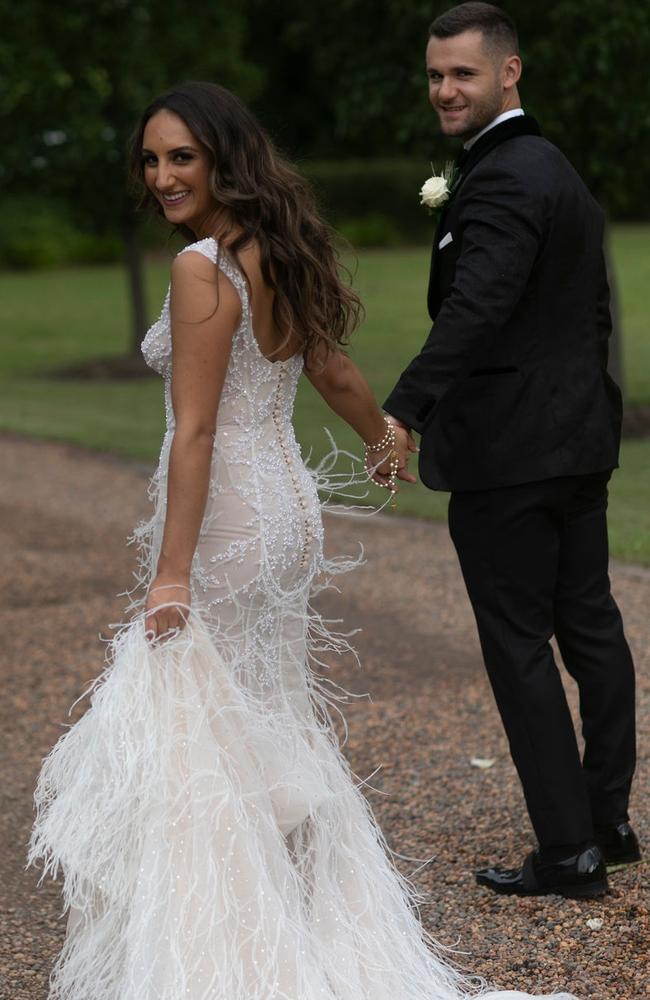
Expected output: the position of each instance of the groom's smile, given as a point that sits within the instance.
(469, 83)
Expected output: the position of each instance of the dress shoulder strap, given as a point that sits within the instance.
(210, 248)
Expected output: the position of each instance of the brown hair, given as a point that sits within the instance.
(498, 28)
(269, 200)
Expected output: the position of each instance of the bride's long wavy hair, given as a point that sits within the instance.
(268, 200)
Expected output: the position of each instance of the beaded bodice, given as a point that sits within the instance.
(262, 497)
(254, 387)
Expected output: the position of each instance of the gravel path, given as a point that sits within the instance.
(64, 514)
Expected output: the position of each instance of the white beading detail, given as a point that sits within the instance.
(256, 459)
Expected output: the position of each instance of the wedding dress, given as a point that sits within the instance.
(214, 844)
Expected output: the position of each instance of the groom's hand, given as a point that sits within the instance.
(405, 446)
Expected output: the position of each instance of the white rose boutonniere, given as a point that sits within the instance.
(435, 192)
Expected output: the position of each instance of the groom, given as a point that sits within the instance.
(521, 422)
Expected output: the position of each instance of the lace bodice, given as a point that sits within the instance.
(254, 387)
(262, 498)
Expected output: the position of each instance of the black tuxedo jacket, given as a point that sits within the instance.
(510, 386)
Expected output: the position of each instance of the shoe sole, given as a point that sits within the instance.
(583, 891)
(619, 866)
(590, 891)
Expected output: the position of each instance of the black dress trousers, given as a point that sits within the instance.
(535, 562)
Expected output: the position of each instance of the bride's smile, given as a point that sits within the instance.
(176, 170)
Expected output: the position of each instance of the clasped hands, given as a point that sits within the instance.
(404, 446)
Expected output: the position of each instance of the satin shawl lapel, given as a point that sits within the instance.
(509, 129)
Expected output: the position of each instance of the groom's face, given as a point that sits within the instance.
(466, 83)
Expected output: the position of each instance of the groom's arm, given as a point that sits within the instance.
(501, 229)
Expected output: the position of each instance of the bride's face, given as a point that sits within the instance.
(176, 169)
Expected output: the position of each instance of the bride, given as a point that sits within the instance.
(213, 842)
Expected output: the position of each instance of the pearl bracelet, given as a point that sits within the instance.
(387, 443)
(388, 440)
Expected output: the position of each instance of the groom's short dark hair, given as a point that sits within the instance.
(497, 27)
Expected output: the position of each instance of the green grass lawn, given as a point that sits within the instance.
(51, 320)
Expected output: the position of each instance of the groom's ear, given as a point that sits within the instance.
(511, 72)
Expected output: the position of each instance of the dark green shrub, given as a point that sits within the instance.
(38, 233)
(371, 202)
(34, 233)
(374, 230)
(91, 248)
(353, 192)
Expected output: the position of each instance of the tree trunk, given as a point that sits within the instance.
(615, 363)
(135, 271)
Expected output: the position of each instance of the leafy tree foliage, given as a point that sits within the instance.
(587, 80)
(355, 69)
(347, 78)
(344, 78)
(339, 79)
(75, 78)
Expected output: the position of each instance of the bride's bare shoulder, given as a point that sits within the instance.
(199, 289)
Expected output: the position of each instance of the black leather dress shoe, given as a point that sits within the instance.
(583, 875)
(619, 845)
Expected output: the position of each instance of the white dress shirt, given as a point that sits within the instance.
(514, 113)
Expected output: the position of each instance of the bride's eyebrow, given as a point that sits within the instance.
(171, 152)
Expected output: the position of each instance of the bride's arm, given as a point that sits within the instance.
(205, 311)
(346, 392)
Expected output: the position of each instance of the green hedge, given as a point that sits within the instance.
(373, 202)
(376, 202)
(38, 233)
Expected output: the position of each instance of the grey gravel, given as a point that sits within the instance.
(64, 516)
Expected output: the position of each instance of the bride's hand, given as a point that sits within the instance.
(405, 446)
(167, 607)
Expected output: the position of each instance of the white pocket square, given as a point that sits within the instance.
(445, 241)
